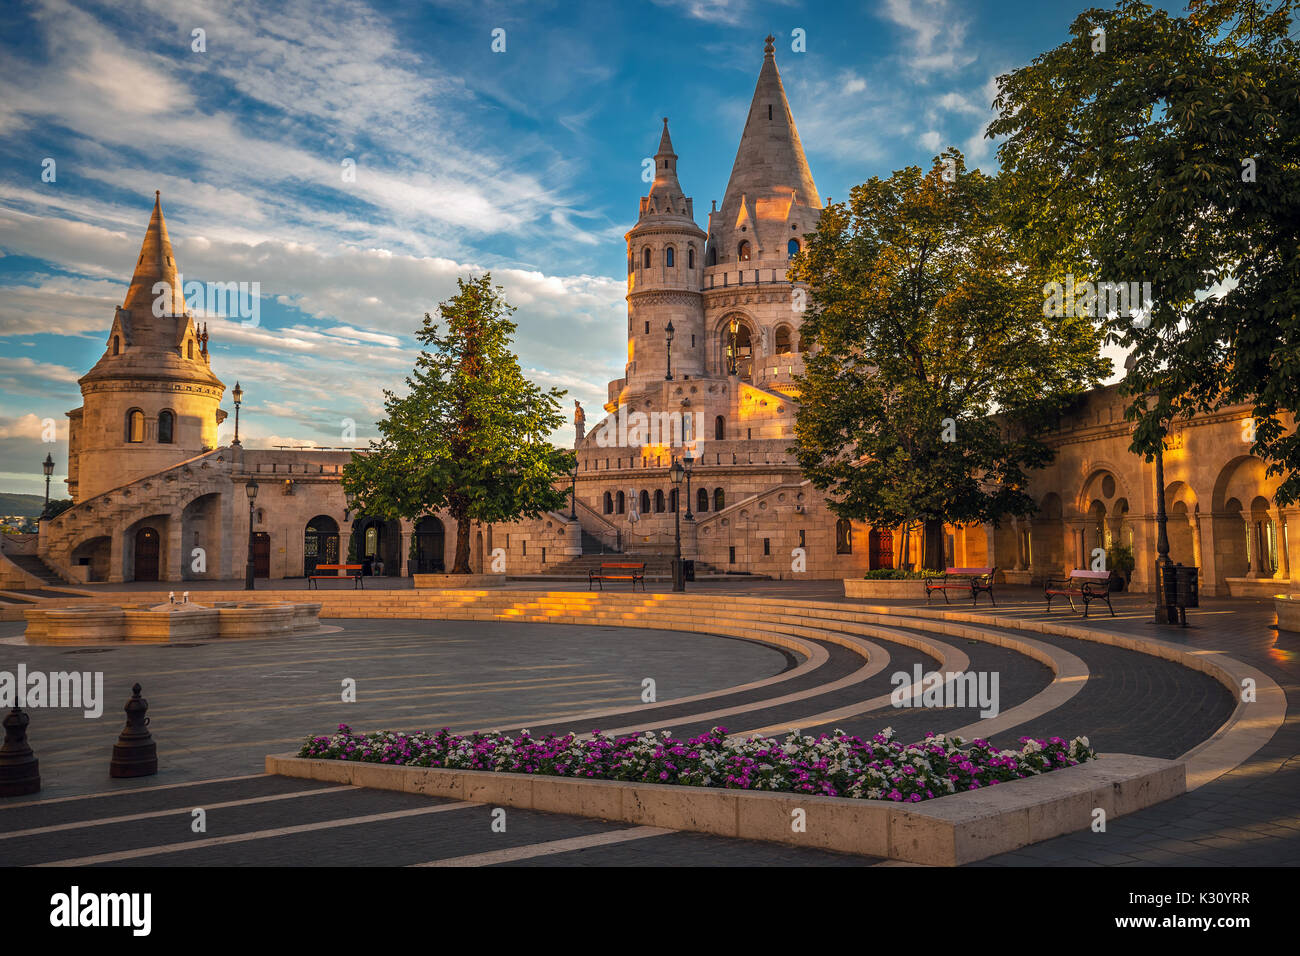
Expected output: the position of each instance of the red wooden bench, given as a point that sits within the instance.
(352, 571)
(971, 580)
(618, 571)
(1087, 586)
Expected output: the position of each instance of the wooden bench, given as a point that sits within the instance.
(1088, 586)
(344, 571)
(618, 571)
(971, 580)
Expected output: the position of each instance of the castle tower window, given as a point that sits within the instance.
(719, 499)
(659, 501)
(645, 257)
(670, 258)
(117, 345)
(719, 428)
(622, 502)
(702, 499)
(713, 255)
(783, 340)
(690, 258)
(792, 248)
(672, 501)
(135, 425)
(166, 427)
(189, 350)
(645, 502)
(843, 537)
(743, 253)
(609, 503)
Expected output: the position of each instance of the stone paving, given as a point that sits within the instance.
(433, 673)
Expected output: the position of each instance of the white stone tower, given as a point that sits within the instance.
(665, 266)
(151, 400)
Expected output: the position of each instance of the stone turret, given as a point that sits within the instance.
(665, 265)
(771, 202)
(151, 400)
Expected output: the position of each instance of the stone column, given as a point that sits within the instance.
(1283, 570)
(1194, 519)
(116, 557)
(1020, 543)
(991, 551)
(1252, 557)
(171, 551)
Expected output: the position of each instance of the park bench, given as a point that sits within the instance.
(970, 580)
(1087, 586)
(352, 571)
(618, 571)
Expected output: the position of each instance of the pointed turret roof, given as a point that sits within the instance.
(155, 264)
(666, 196)
(770, 161)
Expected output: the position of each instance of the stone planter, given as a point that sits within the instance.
(1288, 611)
(175, 622)
(306, 617)
(458, 580)
(84, 625)
(908, 589)
(255, 620)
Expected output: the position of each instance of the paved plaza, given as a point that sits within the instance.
(218, 707)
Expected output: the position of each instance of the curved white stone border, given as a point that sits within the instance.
(946, 831)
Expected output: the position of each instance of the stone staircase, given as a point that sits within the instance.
(656, 565)
(33, 565)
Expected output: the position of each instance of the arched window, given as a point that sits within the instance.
(719, 428)
(792, 248)
(719, 499)
(783, 340)
(659, 501)
(672, 501)
(713, 255)
(645, 257)
(670, 258)
(690, 258)
(135, 425)
(166, 427)
(743, 253)
(609, 503)
(117, 345)
(702, 499)
(843, 537)
(645, 502)
(621, 502)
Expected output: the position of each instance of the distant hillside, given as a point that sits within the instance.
(29, 506)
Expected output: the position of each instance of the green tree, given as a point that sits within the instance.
(470, 434)
(1152, 147)
(924, 322)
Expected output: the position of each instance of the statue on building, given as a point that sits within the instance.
(579, 421)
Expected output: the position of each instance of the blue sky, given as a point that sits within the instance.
(526, 162)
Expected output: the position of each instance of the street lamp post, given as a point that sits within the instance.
(251, 489)
(48, 465)
(675, 473)
(1165, 612)
(238, 395)
(688, 459)
(731, 347)
(573, 490)
(669, 349)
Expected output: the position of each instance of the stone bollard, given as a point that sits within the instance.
(135, 754)
(19, 769)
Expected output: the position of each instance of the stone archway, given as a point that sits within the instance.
(320, 543)
(430, 546)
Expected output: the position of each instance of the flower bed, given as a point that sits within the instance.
(836, 765)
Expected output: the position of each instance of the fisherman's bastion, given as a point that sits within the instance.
(151, 487)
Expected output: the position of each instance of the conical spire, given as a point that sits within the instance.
(666, 196)
(156, 264)
(770, 161)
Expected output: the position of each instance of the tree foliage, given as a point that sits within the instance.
(925, 321)
(1169, 152)
(471, 433)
